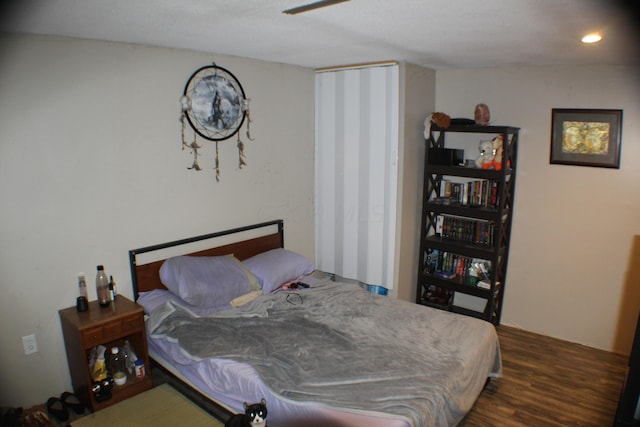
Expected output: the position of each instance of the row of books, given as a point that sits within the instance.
(477, 193)
(468, 230)
(450, 265)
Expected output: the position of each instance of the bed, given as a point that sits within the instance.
(320, 352)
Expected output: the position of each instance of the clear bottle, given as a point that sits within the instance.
(129, 356)
(82, 285)
(102, 287)
(112, 289)
(116, 367)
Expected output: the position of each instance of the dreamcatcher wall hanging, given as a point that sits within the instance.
(215, 106)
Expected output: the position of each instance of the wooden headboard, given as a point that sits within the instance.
(146, 277)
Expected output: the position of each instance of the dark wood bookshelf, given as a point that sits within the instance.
(442, 292)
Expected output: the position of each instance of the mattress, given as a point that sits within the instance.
(231, 382)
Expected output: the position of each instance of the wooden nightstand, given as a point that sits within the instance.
(109, 326)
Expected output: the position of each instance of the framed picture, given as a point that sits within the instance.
(586, 137)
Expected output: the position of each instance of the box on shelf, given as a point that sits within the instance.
(470, 302)
(446, 156)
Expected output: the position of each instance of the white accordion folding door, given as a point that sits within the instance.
(356, 172)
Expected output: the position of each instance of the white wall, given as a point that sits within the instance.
(417, 101)
(573, 226)
(91, 166)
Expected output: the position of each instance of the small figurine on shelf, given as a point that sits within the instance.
(482, 115)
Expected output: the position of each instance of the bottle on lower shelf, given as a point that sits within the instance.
(116, 367)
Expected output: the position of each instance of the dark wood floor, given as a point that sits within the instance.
(549, 382)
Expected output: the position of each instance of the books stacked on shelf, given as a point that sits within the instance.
(477, 193)
(448, 265)
(468, 230)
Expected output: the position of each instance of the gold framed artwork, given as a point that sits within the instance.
(586, 137)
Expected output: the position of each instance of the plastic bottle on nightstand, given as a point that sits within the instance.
(102, 287)
(82, 285)
(112, 289)
(117, 368)
(129, 356)
(82, 302)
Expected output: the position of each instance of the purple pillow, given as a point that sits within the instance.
(277, 267)
(207, 281)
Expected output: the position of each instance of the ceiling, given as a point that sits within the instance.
(438, 35)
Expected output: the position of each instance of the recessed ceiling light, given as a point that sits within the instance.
(592, 38)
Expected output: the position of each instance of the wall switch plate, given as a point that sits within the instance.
(30, 344)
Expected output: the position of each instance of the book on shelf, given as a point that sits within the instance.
(468, 230)
(445, 274)
(475, 193)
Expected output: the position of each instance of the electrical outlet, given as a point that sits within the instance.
(30, 344)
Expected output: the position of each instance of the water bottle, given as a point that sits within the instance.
(116, 367)
(129, 356)
(112, 289)
(102, 287)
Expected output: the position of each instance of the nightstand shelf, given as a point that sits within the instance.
(109, 326)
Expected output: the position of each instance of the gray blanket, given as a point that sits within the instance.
(338, 345)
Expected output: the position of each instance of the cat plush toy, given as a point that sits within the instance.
(255, 415)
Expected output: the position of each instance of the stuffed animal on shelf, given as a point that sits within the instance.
(497, 149)
(255, 415)
(485, 159)
(490, 154)
(441, 119)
